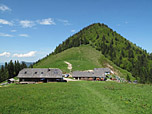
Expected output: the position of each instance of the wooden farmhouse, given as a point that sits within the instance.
(32, 75)
(96, 74)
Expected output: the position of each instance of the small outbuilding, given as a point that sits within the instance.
(96, 74)
(32, 75)
(11, 80)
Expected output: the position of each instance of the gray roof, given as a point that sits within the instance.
(83, 74)
(11, 79)
(102, 69)
(98, 72)
(40, 73)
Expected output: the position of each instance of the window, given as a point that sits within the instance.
(25, 72)
(41, 72)
(35, 72)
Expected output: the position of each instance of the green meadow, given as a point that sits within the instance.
(80, 97)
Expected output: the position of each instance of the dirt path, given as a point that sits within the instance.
(69, 65)
(68, 79)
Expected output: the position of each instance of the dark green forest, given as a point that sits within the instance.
(115, 47)
(10, 70)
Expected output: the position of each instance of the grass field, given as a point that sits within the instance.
(82, 97)
(82, 58)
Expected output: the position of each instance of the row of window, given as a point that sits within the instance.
(55, 72)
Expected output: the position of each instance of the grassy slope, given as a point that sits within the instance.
(76, 97)
(81, 58)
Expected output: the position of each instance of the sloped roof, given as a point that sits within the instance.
(11, 79)
(83, 74)
(102, 69)
(40, 73)
(98, 72)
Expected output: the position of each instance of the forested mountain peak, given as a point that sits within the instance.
(115, 47)
(93, 34)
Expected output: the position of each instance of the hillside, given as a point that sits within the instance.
(115, 48)
(82, 58)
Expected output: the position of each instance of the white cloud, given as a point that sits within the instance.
(30, 54)
(26, 23)
(24, 35)
(4, 8)
(29, 23)
(73, 30)
(6, 54)
(65, 22)
(13, 30)
(5, 22)
(48, 21)
(6, 35)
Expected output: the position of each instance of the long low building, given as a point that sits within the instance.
(97, 73)
(40, 75)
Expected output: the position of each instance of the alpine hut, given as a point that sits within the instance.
(96, 74)
(32, 75)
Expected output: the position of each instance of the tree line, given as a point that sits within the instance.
(11, 69)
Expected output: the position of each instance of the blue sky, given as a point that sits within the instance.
(31, 29)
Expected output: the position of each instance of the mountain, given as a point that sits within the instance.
(27, 63)
(114, 47)
(82, 58)
(1, 64)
